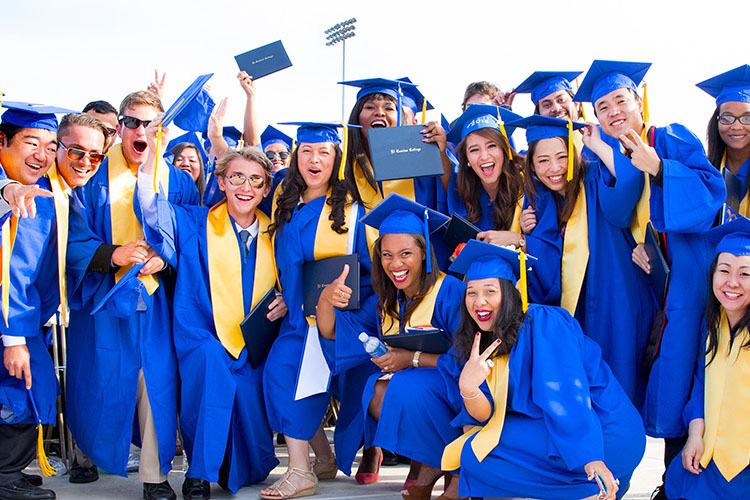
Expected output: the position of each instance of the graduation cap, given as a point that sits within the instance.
(414, 99)
(192, 103)
(231, 135)
(272, 135)
(734, 85)
(479, 260)
(317, 132)
(393, 88)
(399, 215)
(731, 237)
(28, 115)
(605, 76)
(543, 83)
(479, 116)
(192, 138)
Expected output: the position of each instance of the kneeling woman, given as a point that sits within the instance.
(547, 413)
(411, 293)
(222, 273)
(715, 463)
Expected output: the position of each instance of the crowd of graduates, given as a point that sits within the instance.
(603, 299)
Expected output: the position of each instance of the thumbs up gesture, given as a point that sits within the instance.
(337, 293)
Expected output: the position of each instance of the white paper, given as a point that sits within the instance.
(314, 375)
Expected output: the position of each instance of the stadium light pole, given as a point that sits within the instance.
(340, 32)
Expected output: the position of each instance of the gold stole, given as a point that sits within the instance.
(488, 436)
(225, 274)
(8, 239)
(515, 224)
(642, 212)
(745, 202)
(421, 316)
(62, 208)
(727, 405)
(575, 256)
(125, 225)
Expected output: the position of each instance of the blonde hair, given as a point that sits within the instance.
(141, 97)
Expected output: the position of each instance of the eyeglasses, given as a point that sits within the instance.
(730, 119)
(78, 154)
(110, 131)
(283, 155)
(237, 180)
(132, 122)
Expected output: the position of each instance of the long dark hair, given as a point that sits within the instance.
(200, 182)
(568, 201)
(716, 145)
(507, 322)
(510, 183)
(713, 318)
(358, 149)
(294, 185)
(387, 291)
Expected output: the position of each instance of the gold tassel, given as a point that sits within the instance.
(522, 281)
(344, 147)
(424, 110)
(646, 115)
(571, 150)
(44, 464)
(583, 111)
(156, 160)
(241, 142)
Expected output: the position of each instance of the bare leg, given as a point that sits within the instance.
(321, 447)
(376, 403)
(299, 458)
(370, 460)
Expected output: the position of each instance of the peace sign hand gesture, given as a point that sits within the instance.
(643, 156)
(477, 368)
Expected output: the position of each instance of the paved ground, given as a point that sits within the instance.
(645, 479)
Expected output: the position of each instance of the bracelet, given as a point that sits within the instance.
(475, 396)
(415, 359)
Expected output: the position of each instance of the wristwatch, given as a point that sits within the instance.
(415, 359)
(522, 242)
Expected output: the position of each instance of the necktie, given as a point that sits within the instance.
(244, 237)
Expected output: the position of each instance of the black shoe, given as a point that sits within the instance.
(659, 493)
(22, 489)
(196, 489)
(158, 491)
(280, 439)
(389, 458)
(82, 475)
(33, 479)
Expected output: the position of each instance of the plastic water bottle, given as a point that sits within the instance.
(373, 346)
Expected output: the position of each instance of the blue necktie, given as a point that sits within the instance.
(244, 237)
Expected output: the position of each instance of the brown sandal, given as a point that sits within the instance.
(285, 483)
(324, 469)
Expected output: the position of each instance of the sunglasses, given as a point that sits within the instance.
(78, 154)
(132, 122)
(730, 119)
(237, 180)
(111, 131)
(283, 155)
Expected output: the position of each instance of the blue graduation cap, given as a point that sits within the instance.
(399, 215)
(479, 116)
(543, 83)
(193, 106)
(393, 88)
(272, 135)
(413, 98)
(28, 115)
(231, 135)
(540, 127)
(734, 85)
(731, 237)
(605, 76)
(315, 132)
(192, 138)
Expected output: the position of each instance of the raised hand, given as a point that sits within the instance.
(434, 132)
(336, 293)
(247, 83)
(157, 86)
(477, 367)
(643, 156)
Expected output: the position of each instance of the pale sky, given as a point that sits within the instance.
(69, 52)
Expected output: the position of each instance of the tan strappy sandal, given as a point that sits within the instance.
(284, 488)
(324, 469)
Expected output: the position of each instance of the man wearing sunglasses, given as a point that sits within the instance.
(108, 115)
(81, 140)
(121, 359)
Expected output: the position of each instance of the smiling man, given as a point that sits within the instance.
(121, 360)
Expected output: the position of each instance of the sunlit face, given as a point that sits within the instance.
(558, 105)
(379, 112)
(485, 157)
(110, 121)
(278, 163)
(618, 112)
(731, 283)
(243, 199)
(78, 172)
(315, 164)
(551, 163)
(134, 145)
(483, 299)
(736, 136)
(28, 155)
(189, 161)
(478, 99)
(402, 260)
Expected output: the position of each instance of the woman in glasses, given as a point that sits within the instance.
(277, 146)
(225, 266)
(728, 131)
(314, 218)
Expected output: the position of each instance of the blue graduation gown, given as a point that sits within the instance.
(221, 398)
(616, 306)
(295, 245)
(454, 205)
(106, 350)
(710, 484)
(405, 411)
(34, 298)
(564, 409)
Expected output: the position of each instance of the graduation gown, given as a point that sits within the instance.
(294, 245)
(107, 350)
(564, 409)
(222, 413)
(615, 306)
(34, 298)
(405, 412)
